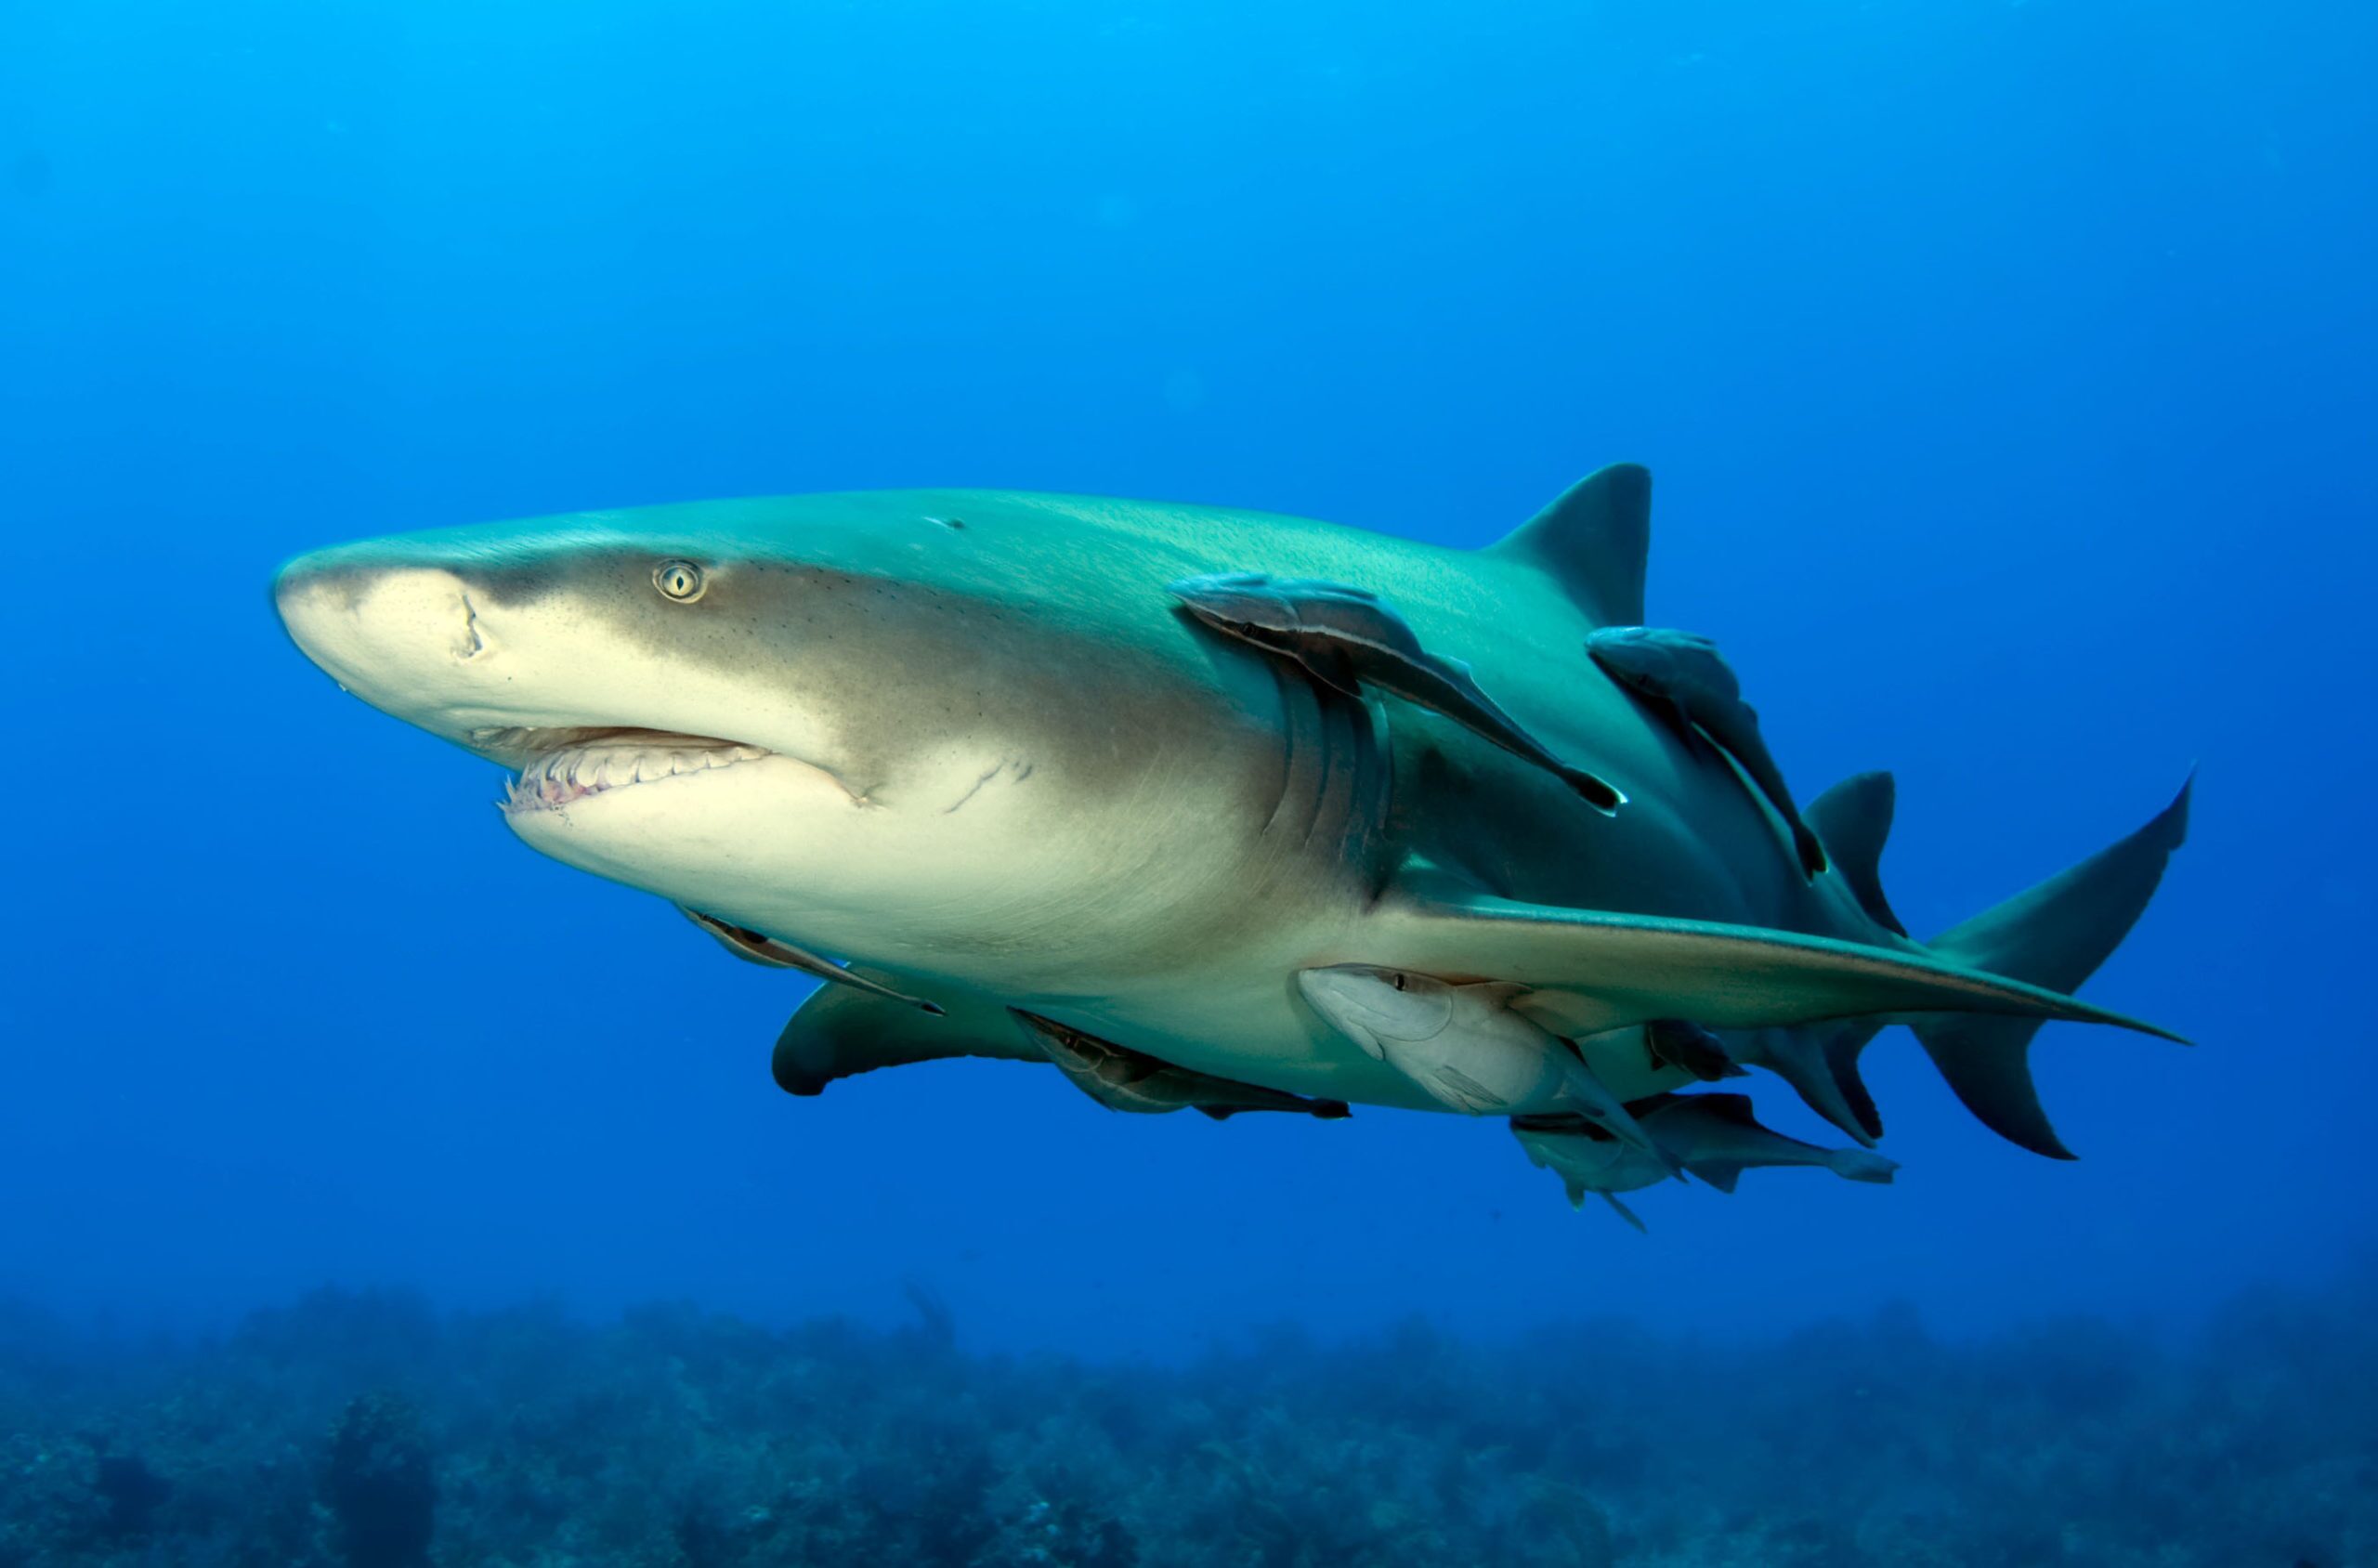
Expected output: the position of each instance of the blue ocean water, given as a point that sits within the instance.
(2005, 370)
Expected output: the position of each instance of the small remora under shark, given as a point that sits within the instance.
(1131, 776)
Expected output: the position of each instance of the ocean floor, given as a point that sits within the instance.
(370, 1429)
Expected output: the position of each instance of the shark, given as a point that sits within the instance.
(977, 763)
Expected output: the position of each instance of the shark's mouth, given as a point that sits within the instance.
(558, 767)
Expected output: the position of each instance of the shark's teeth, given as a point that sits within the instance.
(575, 772)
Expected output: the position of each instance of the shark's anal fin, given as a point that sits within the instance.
(1845, 1042)
(1588, 971)
(841, 1032)
(1820, 1061)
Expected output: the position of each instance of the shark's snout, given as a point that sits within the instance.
(383, 631)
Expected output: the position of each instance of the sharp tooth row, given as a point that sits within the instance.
(570, 776)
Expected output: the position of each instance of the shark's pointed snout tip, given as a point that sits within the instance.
(374, 624)
(293, 582)
(295, 594)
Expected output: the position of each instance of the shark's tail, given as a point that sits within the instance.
(2055, 935)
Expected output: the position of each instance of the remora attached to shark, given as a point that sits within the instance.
(1009, 756)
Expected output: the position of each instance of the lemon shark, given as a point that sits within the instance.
(1001, 772)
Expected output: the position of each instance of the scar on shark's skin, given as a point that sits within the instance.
(471, 629)
(1023, 772)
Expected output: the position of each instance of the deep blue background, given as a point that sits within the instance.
(2006, 368)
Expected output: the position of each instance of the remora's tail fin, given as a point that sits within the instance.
(1859, 1165)
(2055, 935)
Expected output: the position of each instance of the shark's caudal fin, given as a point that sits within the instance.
(2055, 936)
(1595, 539)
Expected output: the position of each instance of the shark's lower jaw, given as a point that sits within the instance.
(565, 767)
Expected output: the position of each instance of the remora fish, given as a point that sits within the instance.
(1713, 1136)
(1467, 1046)
(962, 740)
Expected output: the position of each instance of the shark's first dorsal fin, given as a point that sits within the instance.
(1852, 820)
(1595, 541)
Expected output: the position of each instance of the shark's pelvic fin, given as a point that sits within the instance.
(840, 1032)
(1595, 539)
(1588, 970)
(1852, 820)
(2055, 935)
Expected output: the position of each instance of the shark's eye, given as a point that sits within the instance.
(681, 581)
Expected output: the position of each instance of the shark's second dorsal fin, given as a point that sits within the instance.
(1595, 541)
(1852, 820)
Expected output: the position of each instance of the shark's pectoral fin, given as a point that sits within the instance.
(841, 1032)
(1588, 970)
(1616, 1207)
(771, 952)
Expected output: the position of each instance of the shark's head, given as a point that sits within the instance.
(807, 716)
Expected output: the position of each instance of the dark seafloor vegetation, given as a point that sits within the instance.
(370, 1429)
